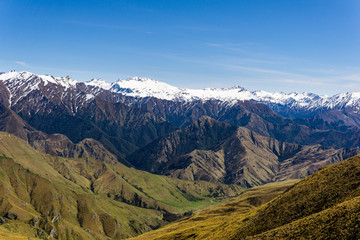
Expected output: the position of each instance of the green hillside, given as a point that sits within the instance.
(322, 206)
(11, 236)
(46, 196)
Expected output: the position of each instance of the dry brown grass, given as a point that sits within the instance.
(217, 222)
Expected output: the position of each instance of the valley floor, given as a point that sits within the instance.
(212, 222)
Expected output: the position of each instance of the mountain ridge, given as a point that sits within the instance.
(124, 123)
(145, 87)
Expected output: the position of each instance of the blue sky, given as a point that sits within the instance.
(299, 45)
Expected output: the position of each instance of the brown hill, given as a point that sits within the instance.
(214, 151)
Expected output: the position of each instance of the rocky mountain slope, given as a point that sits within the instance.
(64, 106)
(256, 117)
(214, 151)
(82, 198)
(56, 144)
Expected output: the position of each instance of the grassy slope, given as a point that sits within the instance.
(341, 221)
(4, 234)
(87, 199)
(312, 205)
(325, 205)
(216, 222)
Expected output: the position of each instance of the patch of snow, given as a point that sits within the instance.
(98, 82)
(89, 97)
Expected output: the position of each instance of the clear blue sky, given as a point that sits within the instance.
(282, 45)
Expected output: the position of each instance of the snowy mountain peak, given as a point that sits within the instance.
(21, 84)
(19, 78)
(15, 75)
(145, 87)
(66, 82)
(98, 82)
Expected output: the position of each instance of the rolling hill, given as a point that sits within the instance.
(83, 198)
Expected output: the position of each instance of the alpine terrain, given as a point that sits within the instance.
(100, 160)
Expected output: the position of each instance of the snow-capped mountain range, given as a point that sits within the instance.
(144, 87)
